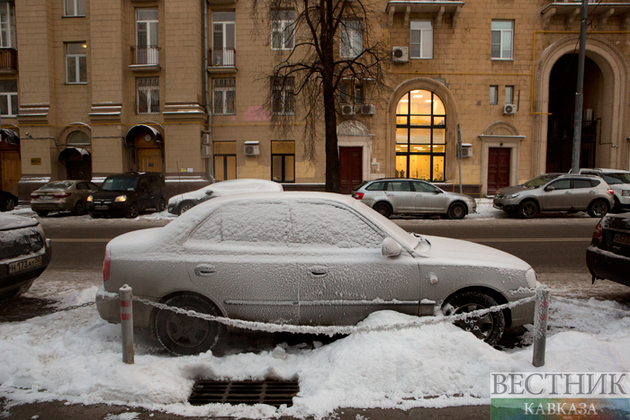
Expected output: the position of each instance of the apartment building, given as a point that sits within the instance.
(89, 88)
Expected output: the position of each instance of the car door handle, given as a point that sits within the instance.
(204, 270)
(318, 271)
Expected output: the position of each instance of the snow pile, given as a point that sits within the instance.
(76, 357)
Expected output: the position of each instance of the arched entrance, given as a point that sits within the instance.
(355, 148)
(146, 144)
(10, 163)
(77, 163)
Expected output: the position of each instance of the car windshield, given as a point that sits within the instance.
(58, 185)
(617, 178)
(540, 180)
(120, 184)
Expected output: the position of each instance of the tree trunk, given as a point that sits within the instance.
(332, 152)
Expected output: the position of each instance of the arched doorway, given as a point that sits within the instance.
(147, 148)
(10, 163)
(77, 162)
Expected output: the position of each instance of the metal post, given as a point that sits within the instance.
(126, 321)
(459, 156)
(540, 326)
(579, 97)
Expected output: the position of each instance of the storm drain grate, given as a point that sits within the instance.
(275, 393)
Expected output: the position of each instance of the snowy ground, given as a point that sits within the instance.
(75, 356)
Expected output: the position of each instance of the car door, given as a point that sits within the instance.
(583, 193)
(400, 195)
(143, 193)
(240, 258)
(341, 273)
(428, 198)
(557, 195)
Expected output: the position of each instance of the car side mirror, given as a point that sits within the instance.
(438, 191)
(390, 248)
(550, 188)
(209, 192)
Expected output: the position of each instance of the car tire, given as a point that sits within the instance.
(185, 335)
(457, 211)
(79, 208)
(7, 204)
(617, 207)
(528, 209)
(489, 327)
(184, 207)
(42, 213)
(161, 206)
(383, 208)
(598, 208)
(132, 211)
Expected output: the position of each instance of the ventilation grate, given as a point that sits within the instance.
(275, 393)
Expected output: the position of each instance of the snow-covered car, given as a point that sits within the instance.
(413, 196)
(619, 182)
(8, 201)
(181, 203)
(25, 253)
(66, 195)
(608, 255)
(305, 259)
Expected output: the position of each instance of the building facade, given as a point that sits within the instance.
(90, 88)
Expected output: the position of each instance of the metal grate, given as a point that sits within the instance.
(275, 393)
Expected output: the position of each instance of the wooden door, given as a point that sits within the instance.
(498, 168)
(11, 168)
(350, 168)
(149, 160)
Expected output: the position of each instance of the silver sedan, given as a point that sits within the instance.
(304, 259)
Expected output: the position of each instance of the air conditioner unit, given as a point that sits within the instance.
(509, 109)
(205, 138)
(347, 110)
(252, 148)
(205, 151)
(400, 54)
(467, 152)
(368, 109)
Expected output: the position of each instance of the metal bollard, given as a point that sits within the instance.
(126, 321)
(540, 326)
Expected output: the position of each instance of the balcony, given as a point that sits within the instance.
(222, 60)
(145, 58)
(8, 61)
(598, 12)
(436, 7)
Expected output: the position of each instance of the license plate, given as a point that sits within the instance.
(100, 207)
(621, 239)
(46, 197)
(17, 266)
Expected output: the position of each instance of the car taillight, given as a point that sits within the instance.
(61, 195)
(358, 195)
(33, 195)
(106, 265)
(611, 191)
(598, 234)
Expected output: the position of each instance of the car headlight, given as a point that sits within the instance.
(514, 195)
(90, 199)
(532, 278)
(121, 199)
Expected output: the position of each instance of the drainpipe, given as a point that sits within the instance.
(207, 87)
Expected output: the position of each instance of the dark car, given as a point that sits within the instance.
(608, 255)
(67, 195)
(128, 194)
(24, 254)
(7, 201)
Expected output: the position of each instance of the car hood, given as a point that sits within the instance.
(512, 190)
(9, 222)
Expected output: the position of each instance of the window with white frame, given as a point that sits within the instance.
(74, 7)
(351, 38)
(502, 39)
(147, 30)
(76, 62)
(351, 91)
(509, 95)
(148, 95)
(283, 101)
(7, 24)
(282, 27)
(8, 98)
(224, 96)
(494, 94)
(224, 38)
(421, 39)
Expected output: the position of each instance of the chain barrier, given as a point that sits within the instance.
(110, 296)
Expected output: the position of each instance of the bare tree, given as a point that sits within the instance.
(330, 43)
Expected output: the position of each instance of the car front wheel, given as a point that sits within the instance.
(161, 205)
(528, 209)
(185, 335)
(457, 211)
(184, 207)
(598, 208)
(488, 327)
(133, 211)
(7, 204)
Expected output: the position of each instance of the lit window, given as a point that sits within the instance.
(283, 160)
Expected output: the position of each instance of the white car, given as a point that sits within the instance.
(304, 259)
(619, 181)
(181, 203)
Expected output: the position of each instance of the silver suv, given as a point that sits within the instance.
(556, 192)
(619, 182)
(413, 196)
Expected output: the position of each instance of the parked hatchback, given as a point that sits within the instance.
(413, 196)
(608, 255)
(556, 192)
(619, 182)
(303, 259)
(66, 195)
(25, 253)
(128, 194)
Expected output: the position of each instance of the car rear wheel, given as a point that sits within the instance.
(488, 327)
(383, 208)
(185, 335)
(42, 213)
(161, 205)
(598, 208)
(7, 204)
(457, 211)
(528, 209)
(79, 208)
(184, 207)
(133, 211)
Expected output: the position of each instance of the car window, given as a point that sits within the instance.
(582, 183)
(562, 184)
(330, 225)
(57, 185)
(539, 181)
(423, 187)
(377, 186)
(119, 184)
(398, 186)
(595, 182)
(617, 178)
(93, 186)
(82, 186)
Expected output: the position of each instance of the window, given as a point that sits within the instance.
(494, 95)
(351, 92)
(224, 96)
(351, 39)
(7, 25)
(421, 39)
(282, 37)
(74, 8)
(420, 136)
(283, 160)
(502, 32)
(223, 38)
(509, 95)
(224, 160)
(78, 138)
(76, 62)
(147, 44)
(148, 95)
(8, 98)
(283, 101)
